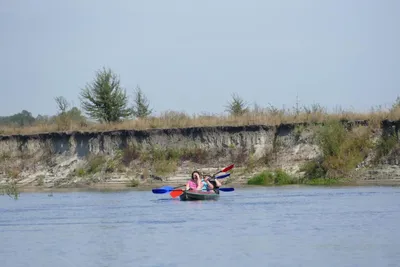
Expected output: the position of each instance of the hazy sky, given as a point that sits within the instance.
(192, 55)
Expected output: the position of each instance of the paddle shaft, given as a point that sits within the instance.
(225, 169)
(178, 192)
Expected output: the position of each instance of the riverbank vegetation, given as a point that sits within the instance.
(155, 161)
(73, 120)
(105, 106)
(280, 177)
(10, 189)
(343, 151)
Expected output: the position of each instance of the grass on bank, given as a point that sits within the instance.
(279, 177)
(160, 160)
(342, 151)
(172, 119)
(10, 189)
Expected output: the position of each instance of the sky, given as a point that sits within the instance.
(192, 56)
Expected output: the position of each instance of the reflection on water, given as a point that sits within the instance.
(281, 226)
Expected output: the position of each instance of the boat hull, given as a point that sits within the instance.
(198, 195)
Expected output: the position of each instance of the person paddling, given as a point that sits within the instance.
(207, 185)
(216, 184)
(195, 182)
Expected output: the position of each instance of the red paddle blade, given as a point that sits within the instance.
(228, 168)
(176, 193)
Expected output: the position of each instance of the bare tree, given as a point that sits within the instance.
(62, 104)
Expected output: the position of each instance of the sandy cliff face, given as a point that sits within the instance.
(106, 143)
(57, 159)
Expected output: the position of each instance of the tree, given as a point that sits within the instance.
(62, 119)
(75, 115)
(42, 118)
(104, 99)
(62, 104)
(141, 105)
(396, 103)
(237, 106)
(23, 118)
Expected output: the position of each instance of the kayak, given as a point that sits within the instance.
(198, 195)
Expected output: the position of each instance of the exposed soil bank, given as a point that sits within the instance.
(150, 158)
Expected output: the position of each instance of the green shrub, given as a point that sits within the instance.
(384, 146)
(342, 149)
(322, 181)
(313, 170)
(10, 189)
(40, 180)
(133, 183)
(95, 164)
(282, 178)
(263, 178)
(163, 167)
(80, 172)
(130, 153)
(279, 177)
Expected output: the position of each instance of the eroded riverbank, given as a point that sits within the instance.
(365, 154)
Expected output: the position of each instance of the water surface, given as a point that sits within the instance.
(280, 226)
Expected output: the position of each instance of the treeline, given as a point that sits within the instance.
(105, 101)
(25, 118)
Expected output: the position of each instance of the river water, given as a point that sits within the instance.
(277, 226)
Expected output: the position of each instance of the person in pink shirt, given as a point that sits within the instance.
(195, 182)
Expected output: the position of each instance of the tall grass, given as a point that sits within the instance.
(277, 177)
(10, 189)
(342, 150)
(384, 146)
(173, 119)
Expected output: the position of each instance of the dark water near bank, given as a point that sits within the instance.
(284, 226)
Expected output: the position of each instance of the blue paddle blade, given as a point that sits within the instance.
(227, 189)
(222, 176)
(167, 187)
(160, 191)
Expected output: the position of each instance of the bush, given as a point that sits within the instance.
(384, 146)
(282, 178)
(313, 170)
(95, 164)
(342, 150)
(10, 189)
(279, 177)
(132, 183)
(263, 178)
